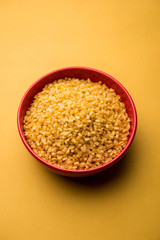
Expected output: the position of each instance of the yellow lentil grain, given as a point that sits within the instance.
(77, 124)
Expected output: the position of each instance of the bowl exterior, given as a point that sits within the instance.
(80, 73)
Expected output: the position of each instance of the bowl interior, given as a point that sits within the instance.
(81, 73)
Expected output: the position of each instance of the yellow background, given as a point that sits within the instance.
(118, 37)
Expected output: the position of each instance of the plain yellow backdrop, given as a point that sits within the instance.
(121, 38)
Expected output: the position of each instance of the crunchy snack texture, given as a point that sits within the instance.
(77, 124)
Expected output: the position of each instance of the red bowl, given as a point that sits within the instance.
(81, 73)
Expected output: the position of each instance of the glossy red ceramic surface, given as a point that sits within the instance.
(81, 73)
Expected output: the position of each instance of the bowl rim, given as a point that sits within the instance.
(59, 169)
